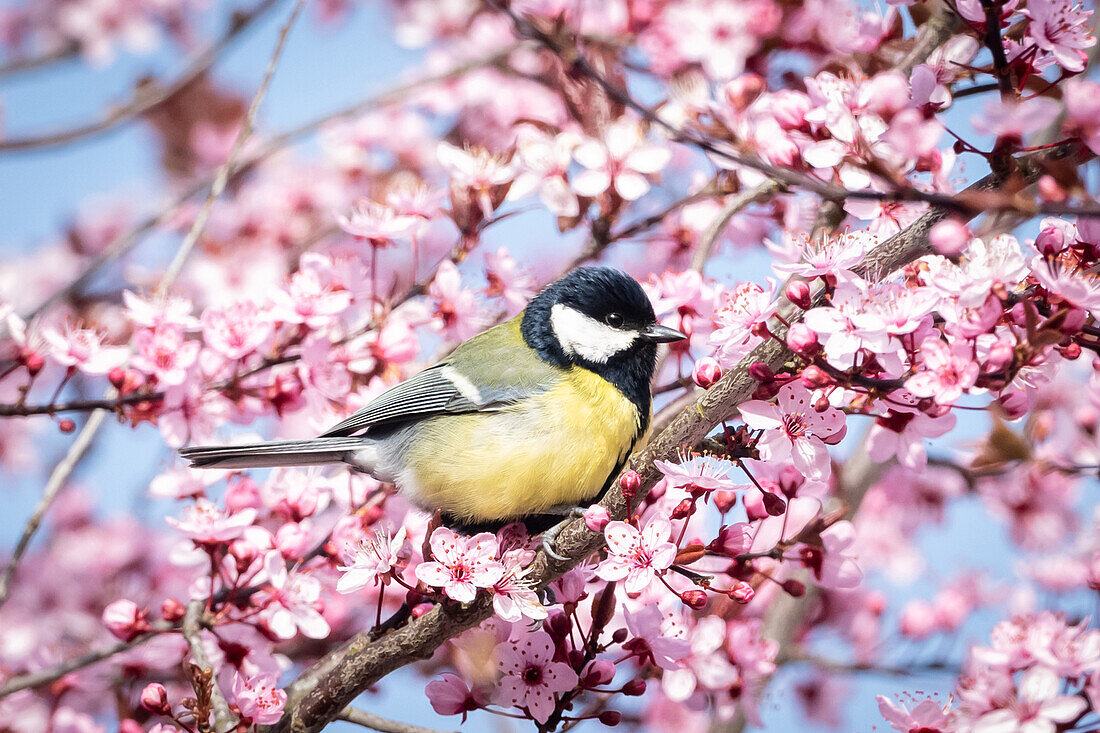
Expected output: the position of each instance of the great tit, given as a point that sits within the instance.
(525, 421)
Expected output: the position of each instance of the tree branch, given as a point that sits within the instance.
(46, 676)
(56, 482)
(145, 99)
(384, 725)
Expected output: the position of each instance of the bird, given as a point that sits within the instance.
(530, 420)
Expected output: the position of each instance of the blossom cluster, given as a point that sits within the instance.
(818, 137)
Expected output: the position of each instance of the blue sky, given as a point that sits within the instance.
(322, 69)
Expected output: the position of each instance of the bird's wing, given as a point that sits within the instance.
(501, 371)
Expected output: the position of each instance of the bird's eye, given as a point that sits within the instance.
(614, 320)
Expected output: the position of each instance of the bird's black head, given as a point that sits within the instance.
(600, 319)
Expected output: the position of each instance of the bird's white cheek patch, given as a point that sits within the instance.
(584, 336)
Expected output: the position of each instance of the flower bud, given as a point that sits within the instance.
(690, 554)
(66, 426)
(949, 238)
(814, 377)
(1071, 351)
(706, 372)
(33, 361)
(154, 698)
(773, 504)
(596, 518)
(630, 482)
(1050, 190)
(125, 620)
(1051, 241)
(741, 92)
(172, 610)
(558, 625)
(600, 672)
(619, 635)
(794, 588)
(634, 688)
(724, 501)
(761, 372)
(742, 592)
(1000, 355)
(420, 609)
(798, 292)
(684, 509)
(117, 377)
(694, 598)
(610, 718)
(801, 339)
(732, 540)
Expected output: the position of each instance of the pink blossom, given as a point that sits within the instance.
(1082, 99)
(697, 473)
(311, 297)
(901, 432)
(449, 695)
(508, 280)
(513, 595)
(531, 677)
(457, 310)
(786, 527)
(83, 349)
(258, 699)
(706, 667)
(637, 555)
(372, 559)
(1079, 289)
(927, 716)
(125, 619)
(236, 330)
(838, 567)
(293, 602)
(828, 256)
(1014, 120)
(1060, 27)
(944, 371)
(204, 522)
(377, 223)
(623, 160)
(164, 353)
(654, 638)
(543, 164)
(795, 429)
(1038, 708)
(462, 564)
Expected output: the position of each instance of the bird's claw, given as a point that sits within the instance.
(550, 535)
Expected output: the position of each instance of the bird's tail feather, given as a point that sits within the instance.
(281, 453)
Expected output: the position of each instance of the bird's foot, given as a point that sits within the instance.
(550, 535)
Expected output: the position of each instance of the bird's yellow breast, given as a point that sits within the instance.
(556, 448)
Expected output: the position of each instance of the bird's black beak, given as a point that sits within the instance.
(659, 334)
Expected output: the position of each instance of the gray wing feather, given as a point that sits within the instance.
(429, 392)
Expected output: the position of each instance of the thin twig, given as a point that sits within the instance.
(734, 206)
(46, 676)
(224, 170)
(145, 99)
(224, 720)
(126, 242)
(46, 58)
(56, 482)
(384, 725)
